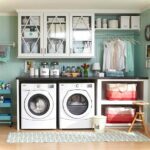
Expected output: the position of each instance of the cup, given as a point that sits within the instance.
(31, 72)
(36, 73)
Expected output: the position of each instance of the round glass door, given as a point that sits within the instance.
(77, 104)
(38, 104)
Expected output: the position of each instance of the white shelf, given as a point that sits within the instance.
(30, 25)
(115, 29)
(102, 102)
(56, 22)
(119, 102)
(121, 124)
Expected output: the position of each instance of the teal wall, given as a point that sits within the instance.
(145, 20)
(140, 52)
(10, 70)
(15, 67)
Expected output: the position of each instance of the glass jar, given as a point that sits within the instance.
(44, 64)
(54, 65)
(54, 69)
(44, 69)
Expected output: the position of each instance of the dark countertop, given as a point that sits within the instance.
(91, 78)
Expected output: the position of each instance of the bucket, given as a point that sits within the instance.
(99, 123)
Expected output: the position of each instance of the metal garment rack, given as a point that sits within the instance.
(115, 36)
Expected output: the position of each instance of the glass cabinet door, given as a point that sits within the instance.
(82, 35)
(56, 34)
(30, 35)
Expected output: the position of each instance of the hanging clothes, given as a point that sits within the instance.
(107, 56)
(129, 57)
(118, 55)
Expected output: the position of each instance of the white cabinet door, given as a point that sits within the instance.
(56, 34)
(30, 35)
(82, 35)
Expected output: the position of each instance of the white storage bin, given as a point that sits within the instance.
(99, 123)
(135, 22)
(81, 23)
(125, 22)
(113, 23)
(30, 34)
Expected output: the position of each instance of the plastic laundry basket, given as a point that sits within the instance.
(99, 123)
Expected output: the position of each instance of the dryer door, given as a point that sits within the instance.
(38, 104)
(77, 103)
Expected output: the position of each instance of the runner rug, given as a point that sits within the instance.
(75, 136)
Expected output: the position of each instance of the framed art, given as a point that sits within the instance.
(147, 63)
(148, 51)
(147, 33)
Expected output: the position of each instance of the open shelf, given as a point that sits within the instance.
(128, 105)
(6, 103)
(115, 29)
(5, 91)
(5, 117)
(119, 102)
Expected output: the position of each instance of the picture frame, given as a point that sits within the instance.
(147, 63)
(148, 51)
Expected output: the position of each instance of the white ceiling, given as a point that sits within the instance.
(9, 6)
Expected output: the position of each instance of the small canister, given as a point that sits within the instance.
(98, 23)
(104, 23)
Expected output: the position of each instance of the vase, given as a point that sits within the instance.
(85, 72)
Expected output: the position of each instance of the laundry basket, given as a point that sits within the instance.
(99, 123)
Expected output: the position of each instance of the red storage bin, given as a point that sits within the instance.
(119, 114)
(121, 91)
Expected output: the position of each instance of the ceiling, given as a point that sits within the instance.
(10, 6)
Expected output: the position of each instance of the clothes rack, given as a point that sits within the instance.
(121, 37)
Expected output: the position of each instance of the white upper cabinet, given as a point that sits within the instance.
(55, 35)
(82, 35)
(30, 35)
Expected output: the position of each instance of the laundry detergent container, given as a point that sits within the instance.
(121, 91)
(119, 114)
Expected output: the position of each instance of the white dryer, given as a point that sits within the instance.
(76, 105)
(38, 106)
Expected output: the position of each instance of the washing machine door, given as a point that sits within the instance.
(38, 104)
(77, 103)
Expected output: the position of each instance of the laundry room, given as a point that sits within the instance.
(74, 72)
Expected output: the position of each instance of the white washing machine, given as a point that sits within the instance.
(76, 105)
(38, 106)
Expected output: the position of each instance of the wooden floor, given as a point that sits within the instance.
(4, 130)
